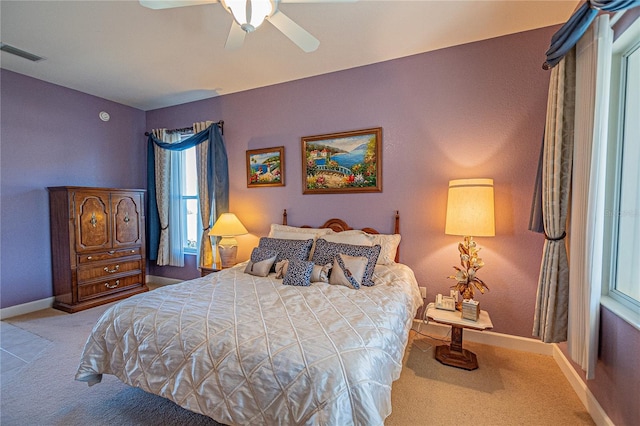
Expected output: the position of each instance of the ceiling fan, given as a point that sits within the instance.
(248, 15)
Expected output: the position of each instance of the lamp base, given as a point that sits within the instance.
(228, 256)
(228, 248)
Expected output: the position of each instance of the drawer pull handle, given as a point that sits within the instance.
(126, 218)
(112, 286)
(93, 220)
(111, 251)
(89, 257)
(111, 271)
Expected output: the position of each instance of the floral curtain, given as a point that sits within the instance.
(211, 190)
(551, 314)
(167, 177)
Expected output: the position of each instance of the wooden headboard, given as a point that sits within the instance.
(339, 225)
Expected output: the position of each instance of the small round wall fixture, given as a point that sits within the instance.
(104, 116)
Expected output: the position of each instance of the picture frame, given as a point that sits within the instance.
(345, 162)
(265, 167)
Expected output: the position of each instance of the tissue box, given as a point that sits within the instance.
(470, 309)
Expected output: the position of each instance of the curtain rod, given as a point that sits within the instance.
(186, 129)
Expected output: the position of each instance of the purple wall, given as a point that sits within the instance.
(52, 136)
(616, 385)
(475, 110)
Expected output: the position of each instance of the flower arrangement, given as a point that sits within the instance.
(466, 274)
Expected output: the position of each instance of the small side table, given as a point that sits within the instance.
(453, 354)
(208, 269)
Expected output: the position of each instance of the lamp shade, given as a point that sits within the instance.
(228, 225)
(470, 208)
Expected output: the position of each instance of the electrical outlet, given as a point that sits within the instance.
(423, 292)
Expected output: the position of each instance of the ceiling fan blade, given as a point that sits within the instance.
(294, 32)
(235, 40)
(167, 4)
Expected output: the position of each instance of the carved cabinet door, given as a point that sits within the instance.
(127, 219)
(92, 221)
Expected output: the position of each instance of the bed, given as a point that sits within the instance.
(246, 349)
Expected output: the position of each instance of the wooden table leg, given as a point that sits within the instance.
(454, 355)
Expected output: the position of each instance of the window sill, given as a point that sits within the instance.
(625, 313)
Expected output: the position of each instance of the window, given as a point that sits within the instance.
(189, 199)
(622, 295)
(190, 203)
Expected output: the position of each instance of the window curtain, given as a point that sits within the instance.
(169, 177)
(575, 315)
(213, 184)
(593, 76)
(217, 178)
(573, 30)
(550, 320)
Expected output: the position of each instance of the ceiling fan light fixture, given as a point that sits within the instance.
(249, 14)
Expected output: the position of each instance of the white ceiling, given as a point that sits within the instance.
(148, 59)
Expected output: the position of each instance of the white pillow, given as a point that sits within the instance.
(353, 237)
(295, 233)
(389, 246)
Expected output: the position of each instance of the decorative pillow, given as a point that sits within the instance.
(287, 249)
(294, 233)
(261, 262)
(389, 246)
(348, 270)
(326, 251)
(354, 237)
(320, 274)
(298, 273)
(281, 269)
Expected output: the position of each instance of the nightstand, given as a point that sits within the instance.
(453, 354)
(208, 269)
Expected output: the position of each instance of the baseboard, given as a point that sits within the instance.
(161, 280)
(580, 388)
(26, 308)
(528, 345)
(488, 338)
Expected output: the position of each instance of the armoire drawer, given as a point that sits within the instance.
(107, 255)
(108, 270)
(104, 287)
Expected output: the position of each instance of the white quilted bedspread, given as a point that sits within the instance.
(248, 350)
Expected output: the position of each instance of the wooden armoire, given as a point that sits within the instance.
(97, 245)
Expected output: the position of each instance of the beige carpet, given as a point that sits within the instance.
(509, 388)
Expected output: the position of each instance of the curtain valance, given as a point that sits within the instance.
(573, 30)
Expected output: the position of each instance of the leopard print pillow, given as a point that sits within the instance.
(298, 273)
(287, 249)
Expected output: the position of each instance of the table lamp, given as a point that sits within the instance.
(470, 212)
(228, 226)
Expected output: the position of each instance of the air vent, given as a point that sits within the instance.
(18, 52)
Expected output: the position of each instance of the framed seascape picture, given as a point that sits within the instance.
(265, 167)
(342, 162)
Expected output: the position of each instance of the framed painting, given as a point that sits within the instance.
(342, 162)
(265, 167)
